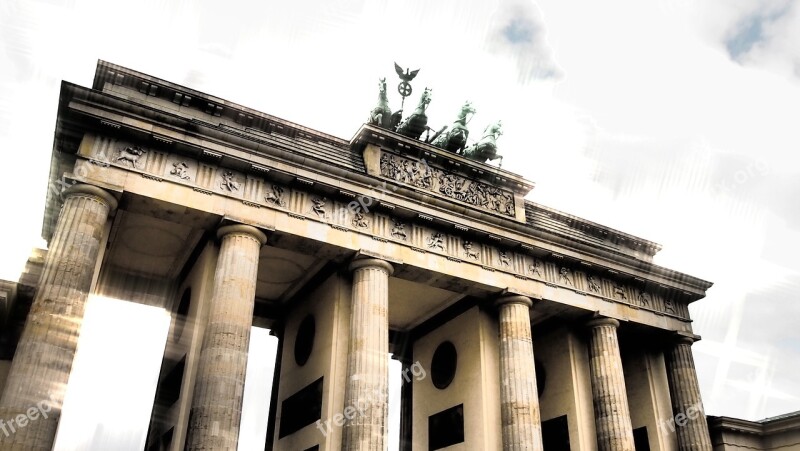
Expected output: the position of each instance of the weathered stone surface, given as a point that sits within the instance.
(611, 412)
(218, 393)
(519, 399)
(43, 360)
(367, 365)
(687, 407)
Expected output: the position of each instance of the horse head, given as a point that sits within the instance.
(493, 130)
(466, 110)
(424, 100)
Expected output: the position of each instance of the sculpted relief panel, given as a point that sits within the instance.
(421, 175)
(358, 215)
(134, 156)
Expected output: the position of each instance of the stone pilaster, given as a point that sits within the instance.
(519, 398)
(687, 407)
(611, 412)
(406, 409)
(367, 361)
(217, 403)
(277, 331)
(42, 363)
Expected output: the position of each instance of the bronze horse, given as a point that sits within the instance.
(417, 122)
(381, 115)
(486, 149)
(454, 138)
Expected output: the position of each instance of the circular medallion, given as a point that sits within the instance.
(443, 365)
(404, 88)
(304, 341)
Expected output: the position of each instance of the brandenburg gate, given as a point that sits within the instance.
(518, 326)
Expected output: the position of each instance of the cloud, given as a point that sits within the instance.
(750, 30)
(518, 30)
(757, 33)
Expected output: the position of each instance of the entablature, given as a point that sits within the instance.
(388, 217)
(227, 161)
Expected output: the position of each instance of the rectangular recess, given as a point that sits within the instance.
(301, 409)
(446, 428)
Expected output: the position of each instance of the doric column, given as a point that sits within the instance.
(217, 402)
(40, 370)
(367, 360)
(519, 398)
(611, 413)
(687, 407)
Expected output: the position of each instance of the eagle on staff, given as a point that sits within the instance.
(408, 75)
(404, 88)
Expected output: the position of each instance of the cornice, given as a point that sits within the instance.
(765, 427)
(603, 232)
(108, 73)
(558, 244)
(736, 424)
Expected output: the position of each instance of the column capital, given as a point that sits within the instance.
(371, 262)
(103, 195)
(682, 338)
(242, 229)
(602, 321)
(513, 299)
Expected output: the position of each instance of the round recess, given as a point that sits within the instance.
(304, 342)
(443, 365)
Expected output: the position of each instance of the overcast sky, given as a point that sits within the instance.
(675, 120)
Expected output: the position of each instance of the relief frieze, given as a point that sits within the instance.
(130, 155)
(535, 268)
(594, 286)
(318, 206)
(643, 298)
(564, 276)
(359, 220)
(276, 196)
(398, 230)
(503, 258)
(228, 182)
(419, 174)
(436, 241)
(669, 307)
(180, 169)
(468, 252)
(619, 292)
